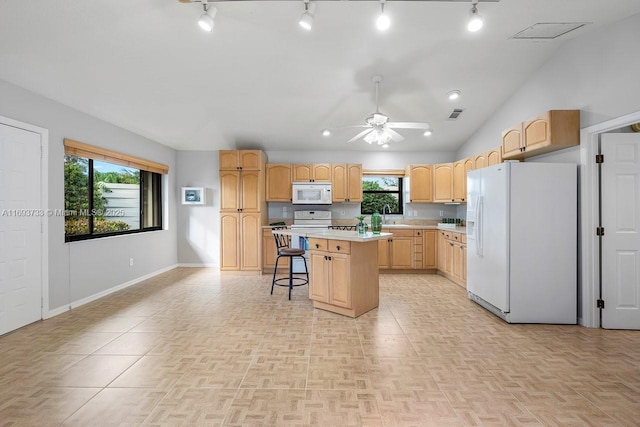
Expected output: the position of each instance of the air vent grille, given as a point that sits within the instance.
(455, 113)
(548, 30)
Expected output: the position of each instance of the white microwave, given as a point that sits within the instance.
(311, 193)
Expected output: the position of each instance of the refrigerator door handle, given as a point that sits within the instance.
(478, 225)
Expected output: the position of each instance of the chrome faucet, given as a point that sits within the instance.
(384, 216)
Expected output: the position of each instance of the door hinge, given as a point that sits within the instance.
(600, 303)
(600, 231)
(599, 158)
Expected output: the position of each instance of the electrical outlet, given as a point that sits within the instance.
(342, 212)
(130, 262)
(441, 213)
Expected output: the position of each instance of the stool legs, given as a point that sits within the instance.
(273, 282)
(290, 277)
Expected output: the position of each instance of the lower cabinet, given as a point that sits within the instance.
(429, 249)
(241, 248)
(269, 253)
(397, 252)
(344, 276)
(452, 256)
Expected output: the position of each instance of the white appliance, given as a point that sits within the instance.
(311, 193)
(306, 219)
(522, 241)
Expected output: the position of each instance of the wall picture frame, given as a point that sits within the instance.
(193, 196)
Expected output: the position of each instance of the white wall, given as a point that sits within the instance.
(596, 73)
(199, 225)
(80, 270)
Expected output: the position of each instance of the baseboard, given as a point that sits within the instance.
(198, 265)
(106, 292)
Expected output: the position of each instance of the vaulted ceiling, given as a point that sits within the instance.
(260, 81)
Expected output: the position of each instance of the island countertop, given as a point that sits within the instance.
(321, 233)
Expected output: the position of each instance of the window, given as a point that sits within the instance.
(380, 192)
(105, 198)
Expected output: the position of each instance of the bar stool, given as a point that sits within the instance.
(283, 246)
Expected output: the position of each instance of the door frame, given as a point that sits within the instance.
(44, 205)
(589, 248)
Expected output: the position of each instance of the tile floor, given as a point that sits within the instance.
(193, 348)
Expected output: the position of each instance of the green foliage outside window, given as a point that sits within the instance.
(378, 192)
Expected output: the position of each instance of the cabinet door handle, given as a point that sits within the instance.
(338, 247)
(318, 246)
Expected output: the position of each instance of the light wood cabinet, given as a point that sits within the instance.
(459, 182)
(346, 182)
(553, 130)
(317, 172)
(420, 183)
(429, 248)
(241, 160)
(278, 182)
(241, 191)
(270, 253)
(241, 247)
(396, 252)
(494, 157)
(480, 161)
(443, 182)
(452, 256)
(242, 210)
(418, 249)
(343, 276)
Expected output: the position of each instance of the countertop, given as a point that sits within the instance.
(320, 233)
(392, 227)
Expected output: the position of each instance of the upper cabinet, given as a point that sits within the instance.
(317, 172)
(443, 183)
(480, 161)
(553, 130)
(241, 160)
(494, 156)
(459, 181)
(420, 183)
(278, 182)
(346, 182)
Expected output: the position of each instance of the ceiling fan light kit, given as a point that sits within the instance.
(453, 94)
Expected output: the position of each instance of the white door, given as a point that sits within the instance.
(620, 201)
(20, 228)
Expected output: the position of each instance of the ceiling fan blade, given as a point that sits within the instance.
(394, 135)
(360, 135)
(408, 125)
(349, 127)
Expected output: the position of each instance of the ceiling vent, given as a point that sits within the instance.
(455, 114)
(548, 30)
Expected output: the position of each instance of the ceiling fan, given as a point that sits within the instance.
(378, 128)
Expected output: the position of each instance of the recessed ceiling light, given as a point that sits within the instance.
(326, 132)
(385, 145)
(453, 95)
(427, 132)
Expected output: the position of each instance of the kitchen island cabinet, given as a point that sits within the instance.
(343, 270)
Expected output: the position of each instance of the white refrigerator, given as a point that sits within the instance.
(522, 241)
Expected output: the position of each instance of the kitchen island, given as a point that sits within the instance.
(343, 269)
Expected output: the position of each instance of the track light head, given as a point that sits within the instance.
(383, 22)
(306, 19)
(206, 20)
(475, 20)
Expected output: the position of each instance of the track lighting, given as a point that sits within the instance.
(206, 21)
(306, 19)
(383, 22)
(475, 20)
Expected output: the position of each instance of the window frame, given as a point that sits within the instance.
(157, 203)
(399, 192)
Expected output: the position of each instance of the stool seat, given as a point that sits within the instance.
(291, 252)
(283, 243)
